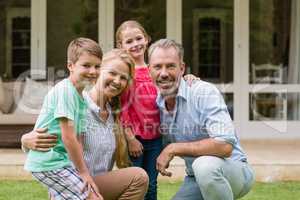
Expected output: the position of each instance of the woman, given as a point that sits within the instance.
(104, 142)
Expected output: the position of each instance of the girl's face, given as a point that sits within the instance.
(114, 77)
(134, 42)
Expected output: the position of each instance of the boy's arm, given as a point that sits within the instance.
(75, 152)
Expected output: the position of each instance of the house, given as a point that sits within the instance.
(249, 48)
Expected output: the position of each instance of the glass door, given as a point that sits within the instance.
(251, 50)
(207, 38)
(274, 71)
(15, 36)
(142, 11)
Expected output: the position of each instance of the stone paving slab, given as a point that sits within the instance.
(271, 160)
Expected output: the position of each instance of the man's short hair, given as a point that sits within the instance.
(165, 44)
(80, 45)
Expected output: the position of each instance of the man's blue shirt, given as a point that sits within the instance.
(200, 112)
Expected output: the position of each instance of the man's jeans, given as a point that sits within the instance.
(216, 179)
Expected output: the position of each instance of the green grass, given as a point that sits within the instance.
(31, 190)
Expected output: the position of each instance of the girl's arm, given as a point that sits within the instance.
(135, 148)
(190, 78)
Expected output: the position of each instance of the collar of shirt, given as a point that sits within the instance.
(182, 93)
(92, 105)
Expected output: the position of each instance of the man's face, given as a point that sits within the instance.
(166, 70)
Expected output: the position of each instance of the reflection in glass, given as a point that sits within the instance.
(208, 39)
(228, 98)
(15, 36)
(272, 44)
(65, 22)
(268, 106)
(151, 14)
(293, 108)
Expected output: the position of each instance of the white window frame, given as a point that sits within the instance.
(38, 39)
(106, 24)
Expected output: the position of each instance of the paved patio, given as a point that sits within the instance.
(272, 161)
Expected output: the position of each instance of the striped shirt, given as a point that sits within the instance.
(99, 141)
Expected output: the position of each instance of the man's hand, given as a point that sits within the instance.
(39, 140)
(163, 160)
(135, 148)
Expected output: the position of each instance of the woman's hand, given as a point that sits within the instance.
(39, 140)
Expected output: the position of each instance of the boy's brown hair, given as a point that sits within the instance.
(80, 45)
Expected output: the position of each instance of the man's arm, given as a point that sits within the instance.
(38, 140)
(209, 146)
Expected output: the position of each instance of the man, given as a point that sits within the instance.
(196, 124)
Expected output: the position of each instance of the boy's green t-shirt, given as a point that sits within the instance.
(62, 101)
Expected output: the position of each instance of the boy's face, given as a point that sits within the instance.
(85, 70)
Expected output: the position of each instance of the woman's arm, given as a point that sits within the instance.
(38, 140)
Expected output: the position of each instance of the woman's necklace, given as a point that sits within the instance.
(103, 114)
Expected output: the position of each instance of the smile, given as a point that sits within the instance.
(114, 88)
(138, 48)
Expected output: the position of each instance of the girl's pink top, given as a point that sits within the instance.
(139, 110)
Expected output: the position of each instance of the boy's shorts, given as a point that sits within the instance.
(63, 183)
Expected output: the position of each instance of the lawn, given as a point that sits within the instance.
(31, 190)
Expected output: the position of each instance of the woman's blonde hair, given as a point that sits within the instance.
(130, 24)
(121, 154)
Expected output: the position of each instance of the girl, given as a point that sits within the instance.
(140, 115)
(104, 140)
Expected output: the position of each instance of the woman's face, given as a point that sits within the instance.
(134, 42)
(114, 77)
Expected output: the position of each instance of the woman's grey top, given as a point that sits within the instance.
(99, 142)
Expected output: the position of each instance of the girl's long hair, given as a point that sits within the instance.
(130, 24)
(121, 154)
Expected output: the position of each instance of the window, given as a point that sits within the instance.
(208, 39)
(15, 36)
(151, 15)
(65, 22)
(274, 60)
(270, 35)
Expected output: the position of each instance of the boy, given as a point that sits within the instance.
(62, 169)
